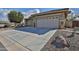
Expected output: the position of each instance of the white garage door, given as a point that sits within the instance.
(48, 23)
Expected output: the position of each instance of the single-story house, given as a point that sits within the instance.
(75, 22)
(49, 19)
(4, 24)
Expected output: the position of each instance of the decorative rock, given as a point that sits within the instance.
(60, 42)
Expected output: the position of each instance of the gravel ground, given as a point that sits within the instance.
(73, 41)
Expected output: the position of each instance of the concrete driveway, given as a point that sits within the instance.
(15, 40)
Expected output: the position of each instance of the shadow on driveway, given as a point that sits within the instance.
(38, 31)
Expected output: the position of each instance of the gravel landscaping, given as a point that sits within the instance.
(72, 40)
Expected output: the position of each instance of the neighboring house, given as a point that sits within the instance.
(49, 19)
(75, 22)
(3, 24)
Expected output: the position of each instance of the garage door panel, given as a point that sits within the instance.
(48, 23)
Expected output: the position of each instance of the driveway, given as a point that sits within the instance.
(2, 48)
(26, 38)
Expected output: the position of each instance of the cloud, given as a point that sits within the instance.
(27, 14)
(3, 14)
(37, 10)
(30, 12)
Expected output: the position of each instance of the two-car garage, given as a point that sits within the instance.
(49, 19)
(47, 23)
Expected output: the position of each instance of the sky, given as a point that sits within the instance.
(5, 11)
(41, 9)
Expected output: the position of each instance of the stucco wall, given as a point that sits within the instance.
(58, 16)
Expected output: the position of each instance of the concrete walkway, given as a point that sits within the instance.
(15, 40)
(2, 48)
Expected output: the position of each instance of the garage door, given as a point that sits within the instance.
(48, 23)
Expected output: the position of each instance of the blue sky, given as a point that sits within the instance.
(27, 9)
(76, 10)
(3, 11)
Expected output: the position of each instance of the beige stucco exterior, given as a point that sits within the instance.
(52, 17)
(57, 16)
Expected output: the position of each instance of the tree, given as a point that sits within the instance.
(70, 17)
(69, 20)
(15, 17)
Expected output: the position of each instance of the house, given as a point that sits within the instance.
(49, 19)
(75, 22)
(4, 24)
